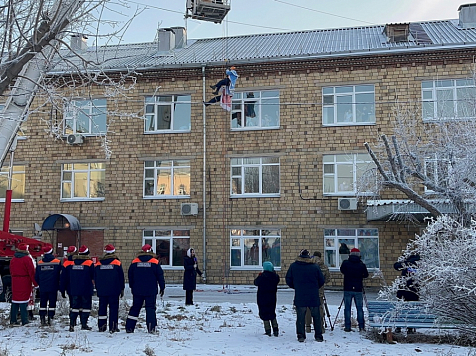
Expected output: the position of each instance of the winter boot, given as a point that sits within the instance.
(86, 327)
(50, 320)
(71, 328)
(274, 323)
(43, 320)
(213, 87)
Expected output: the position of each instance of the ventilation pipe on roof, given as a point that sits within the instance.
(79, 42)
(180, 36)
(166, 39)
(467, 15)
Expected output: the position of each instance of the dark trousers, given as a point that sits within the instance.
(223, 82)
(81, 305)
(23, 313)
(150, 317)
(48, 303)
(301, 321)
(359, 304)
(215, 99)
(188, 297)
(113, 302)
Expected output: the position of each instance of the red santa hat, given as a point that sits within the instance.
(147, 248)
(71, 249)
(109, 249)
(22, 246)
(83, 250)
(47, 249)
(355, 251)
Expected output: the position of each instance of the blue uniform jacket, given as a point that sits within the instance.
(47, 273)
(144, 275)
(109, 276)
(77, 277)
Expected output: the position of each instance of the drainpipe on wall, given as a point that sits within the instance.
(204, 275)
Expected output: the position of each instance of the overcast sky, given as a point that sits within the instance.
(266, 16)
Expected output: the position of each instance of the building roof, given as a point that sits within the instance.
(351, 41)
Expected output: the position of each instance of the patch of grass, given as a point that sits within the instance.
(149, 351)
(215, 308)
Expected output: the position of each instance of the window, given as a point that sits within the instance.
(83, 181)
(170, 245)
(341, 172)
(168, 113)
(165, 179)
(339, 242)
(348, 105)
(250, 248)
(257, 176)
(255, 110)
(86, 117)
(18, 183)
(448, 99)
(436, 169)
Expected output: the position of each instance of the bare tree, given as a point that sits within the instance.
(31, 40)
(432, 162)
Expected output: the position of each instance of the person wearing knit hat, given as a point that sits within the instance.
(305, 277)
(48, 277)
(77, 277)
(266, 297)
(354, 271)
(109, 281)
(190, 264)
(144, 275)
(22, 271)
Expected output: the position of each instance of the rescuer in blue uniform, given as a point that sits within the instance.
(144, 275)
(47, 276)
(78, 278)
(109, 281)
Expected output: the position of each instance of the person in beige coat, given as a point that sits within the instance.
(327, 278)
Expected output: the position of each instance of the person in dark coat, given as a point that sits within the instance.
(144, 274)
(190, 264)
(47, 276)
(354, 271)
(408, 268)
(109, 282)
(78, 277)
(22, 271)
(70, 253)
(305, 277)
(267, 283)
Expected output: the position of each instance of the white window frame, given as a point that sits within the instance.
(330, 104)
(154, 105)
(331, 165)
(243, 164)
(435, 93)
(19, 177)
(434, 171)
(70, 168)
(353, 238)
(150, 236)
(240, 235)
(247, 110)
(94, 109)
(159, 165)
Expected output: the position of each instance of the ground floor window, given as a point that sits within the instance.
(170, 245)
(339, 242)
(251, 247)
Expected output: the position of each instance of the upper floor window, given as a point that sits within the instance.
(165, 179)
(250, 248)
(83, 181)
(255, 110)
(168, 113)
(255, 176)
(339, 242)
(448, 99)
(18, 183)
(341, 172)
(348, 105)
(170, 245)
(86, 117)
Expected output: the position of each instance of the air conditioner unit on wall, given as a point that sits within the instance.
(347, 204)
(189, 209)
(75, 139)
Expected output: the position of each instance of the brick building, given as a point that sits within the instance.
(273, 176)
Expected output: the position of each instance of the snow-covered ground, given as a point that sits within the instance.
(207, 328)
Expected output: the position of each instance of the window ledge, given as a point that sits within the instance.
(255, 128)
(166, 132)
(2, 200)
(350, 124)
(161, 197)
(255, 196)
(81, 199)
